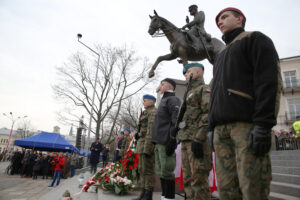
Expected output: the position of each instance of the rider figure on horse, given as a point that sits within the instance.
(196, 28)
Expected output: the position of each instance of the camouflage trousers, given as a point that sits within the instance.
(146, 170)
(240, 174)
(195, 172)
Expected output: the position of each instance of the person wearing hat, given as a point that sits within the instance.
(296, 126)
(145, 148)
(96, 148)
(196, 27)
(125, 143)
(195, 150)
(244, 105)
(119, 141)
(164, 137)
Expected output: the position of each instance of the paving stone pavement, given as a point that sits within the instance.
(17, 188)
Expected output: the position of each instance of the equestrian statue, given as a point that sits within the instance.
(194, 44)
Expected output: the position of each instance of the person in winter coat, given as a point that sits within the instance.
(36, 167)
(59, 162)
(96, 148)
(105, 155)
(45, 166)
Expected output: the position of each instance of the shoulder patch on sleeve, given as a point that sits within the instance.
(207, 90)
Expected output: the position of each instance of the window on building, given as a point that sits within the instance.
(294, 108)
(290, 79)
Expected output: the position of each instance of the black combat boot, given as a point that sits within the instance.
(162, 182)
(148, 195)
(170, 189)
(141, 195)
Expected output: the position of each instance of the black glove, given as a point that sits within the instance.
(210, 137)
(147, 155)
(197, 149)
(136, 136)
(260, 140)
(171, 146)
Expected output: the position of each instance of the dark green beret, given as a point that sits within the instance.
(186, 67)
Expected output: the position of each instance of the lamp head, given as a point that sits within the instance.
(79, 36)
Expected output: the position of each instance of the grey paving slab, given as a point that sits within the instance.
(72, 185)
(104, 195)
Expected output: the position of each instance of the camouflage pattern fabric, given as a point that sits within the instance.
(145, 146)
(125, 145)
(196, 114)
(196, 170)
(146, 170)
(240, 174)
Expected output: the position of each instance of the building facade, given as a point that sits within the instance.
(290, 96)
(4, 137)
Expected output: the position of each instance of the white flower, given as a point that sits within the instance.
(112, 180)
(127, 181)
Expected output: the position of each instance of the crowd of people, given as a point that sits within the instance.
(31, 164)
(286, 139)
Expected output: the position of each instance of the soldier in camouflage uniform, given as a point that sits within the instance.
(125, 143)
(195, 150)
(244, 105)
(145, 148)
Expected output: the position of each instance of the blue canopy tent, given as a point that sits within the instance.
(45, 141)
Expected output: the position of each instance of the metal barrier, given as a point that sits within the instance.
(285, 144)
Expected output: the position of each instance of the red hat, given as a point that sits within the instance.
(229, 9)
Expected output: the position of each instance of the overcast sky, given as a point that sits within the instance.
(38, 35)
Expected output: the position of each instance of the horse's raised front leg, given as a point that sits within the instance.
(158, 60)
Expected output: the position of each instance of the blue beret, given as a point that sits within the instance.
(186, 67)
(149, 96)
(121, 133)
(127, 129)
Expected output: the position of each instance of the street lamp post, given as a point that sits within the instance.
(79, 36)
(13, 120)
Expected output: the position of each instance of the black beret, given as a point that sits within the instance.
(171, 81)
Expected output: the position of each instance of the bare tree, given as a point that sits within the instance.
(122, 75)
(131, 112)
(25, 128)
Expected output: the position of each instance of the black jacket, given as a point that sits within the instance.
(96, 148)
(246, 80)
(165, 118)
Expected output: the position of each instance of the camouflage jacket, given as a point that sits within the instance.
(196, 114)
(144, 144)
(125, 145)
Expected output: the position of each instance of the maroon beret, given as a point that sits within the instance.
(229, 9)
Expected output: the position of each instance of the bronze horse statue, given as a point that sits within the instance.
(180, 45)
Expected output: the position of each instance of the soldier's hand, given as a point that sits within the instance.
(260, 140)
(147, 155)
(171, 146)
(136, 136)
(197, 149)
